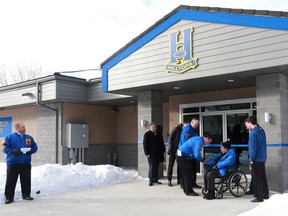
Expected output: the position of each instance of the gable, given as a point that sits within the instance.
(236, 24)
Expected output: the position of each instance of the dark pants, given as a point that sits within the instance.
(209, 179)
(172, 158)
(13, 170)
(153, 170)
(258, 173)
(194, 172)
(186, 169)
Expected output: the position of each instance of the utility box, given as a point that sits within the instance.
(77, 135)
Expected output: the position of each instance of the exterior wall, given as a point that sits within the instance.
(26, 115)
(109, 133)
(272, 97)
(49, 151)
(220, 48)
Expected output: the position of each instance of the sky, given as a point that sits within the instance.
(55, 178)
(71, 35)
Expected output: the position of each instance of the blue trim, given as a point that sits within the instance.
(279, 23)
(277, 145)
(233, 145)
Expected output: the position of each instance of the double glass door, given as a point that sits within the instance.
(224, 126)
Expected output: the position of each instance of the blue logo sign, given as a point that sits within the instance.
(5, 126)
(181, 59)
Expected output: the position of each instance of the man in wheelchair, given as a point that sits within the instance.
(218, 167)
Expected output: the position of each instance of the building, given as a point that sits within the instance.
(218, 64)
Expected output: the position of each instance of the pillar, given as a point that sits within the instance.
(272, 97)
(150, 109)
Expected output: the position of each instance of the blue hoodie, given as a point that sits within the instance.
(229, 159)
(15, 141)
(257, 145)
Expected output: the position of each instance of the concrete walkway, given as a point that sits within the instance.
(134, 198)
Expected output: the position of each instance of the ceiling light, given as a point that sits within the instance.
(176, 87)
(230, 80)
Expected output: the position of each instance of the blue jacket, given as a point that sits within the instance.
(15, 141)
(192, 148)
(229, 159)
(188, 129)
(257, 145)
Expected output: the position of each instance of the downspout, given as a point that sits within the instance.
(38, 86)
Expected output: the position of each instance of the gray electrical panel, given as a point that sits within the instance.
(77, 135)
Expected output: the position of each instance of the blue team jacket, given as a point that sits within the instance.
(192, 148)
(229, 159)
(15, 141)
(257, 145)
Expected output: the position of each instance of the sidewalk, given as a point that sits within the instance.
(134, 198)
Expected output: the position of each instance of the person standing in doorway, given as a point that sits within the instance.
(174, 139)
(188, 132)
(257, 156)
(154, 149)
(18, 147)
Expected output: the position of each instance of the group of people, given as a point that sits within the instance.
(186, 147)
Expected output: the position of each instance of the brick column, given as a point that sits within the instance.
(272, 97)
(150, 109)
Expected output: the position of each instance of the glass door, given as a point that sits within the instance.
(225, 126)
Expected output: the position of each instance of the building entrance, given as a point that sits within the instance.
(224, 120)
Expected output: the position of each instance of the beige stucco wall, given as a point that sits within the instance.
(105, 127)
(230, 94)
(26, 115)
(126, 123)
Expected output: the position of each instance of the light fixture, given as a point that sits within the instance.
(29, 94)
(143, 123)
(176, 87)
(230, 80)
(267, 117)
(114, 110)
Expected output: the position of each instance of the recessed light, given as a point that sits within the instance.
(230, 80)
(176, 87)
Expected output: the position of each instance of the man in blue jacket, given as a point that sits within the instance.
(188, 132)
(18, 147)
(217, 167)
(186, 155)
(257, 157)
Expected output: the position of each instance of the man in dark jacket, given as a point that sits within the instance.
(154, 150)
(257, 157)
(174, 139)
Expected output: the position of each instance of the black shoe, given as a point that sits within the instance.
(7, 201)
(193, 193)
(249, 192)
(170, 184)
(256, 200)
(158, 182)
(27, 198)
(196, 186)
(266, 197)
(210, 195)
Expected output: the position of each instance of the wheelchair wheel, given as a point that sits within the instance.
(219, 194)
(221, 185)
(204, 191)
(237, 183)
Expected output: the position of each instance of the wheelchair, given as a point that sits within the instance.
(235, 181)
